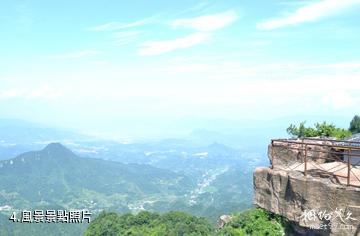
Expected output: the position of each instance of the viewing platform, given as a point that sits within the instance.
(337, 160)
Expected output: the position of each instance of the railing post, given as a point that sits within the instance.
(348, 167)
(305, 164)
(272, 154)
(302, 148)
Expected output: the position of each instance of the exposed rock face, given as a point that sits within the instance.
(318, 203)
(294, 196)
(223, 220)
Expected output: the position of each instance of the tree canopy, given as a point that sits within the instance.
(146, 223)
(255, 222)
(355, 125)
(319, 130)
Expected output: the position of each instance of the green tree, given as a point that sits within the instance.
(256, 222)
(320, 129)
(146, 223)
(355, 125)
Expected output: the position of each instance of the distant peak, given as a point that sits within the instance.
(58, 148)
(217, 145)
(55, 146)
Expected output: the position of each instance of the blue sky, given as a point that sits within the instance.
(139, 67)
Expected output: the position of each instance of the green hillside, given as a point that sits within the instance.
(255, 222)
(56, 175)
(55, 178)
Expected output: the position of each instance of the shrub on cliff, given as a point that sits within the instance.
(256, 222)
(320, 130)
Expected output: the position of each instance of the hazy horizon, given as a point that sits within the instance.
(185, 128)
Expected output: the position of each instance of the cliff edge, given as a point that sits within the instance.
(318, 194)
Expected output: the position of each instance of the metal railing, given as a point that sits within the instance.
(347, 152)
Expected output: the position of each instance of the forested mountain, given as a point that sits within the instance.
(57, 175)
(56, 178)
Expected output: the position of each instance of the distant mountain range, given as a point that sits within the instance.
(21, 131)
(18, 136)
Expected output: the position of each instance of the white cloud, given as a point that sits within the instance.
(126, 37)
(199, 6)
(120, 25)
(213, 87)
(203, 25)
(78, 54)
(100, 62)
(309, 13)
(11, 93)
(345, 65)
(207, 23)
(340, 100)
(160, 47)
(42, 92)
(24, 14)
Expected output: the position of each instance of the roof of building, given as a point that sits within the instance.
(354, 138)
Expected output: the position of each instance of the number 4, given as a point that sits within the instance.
(13, 216)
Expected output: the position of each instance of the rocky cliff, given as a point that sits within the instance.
(318, 203)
